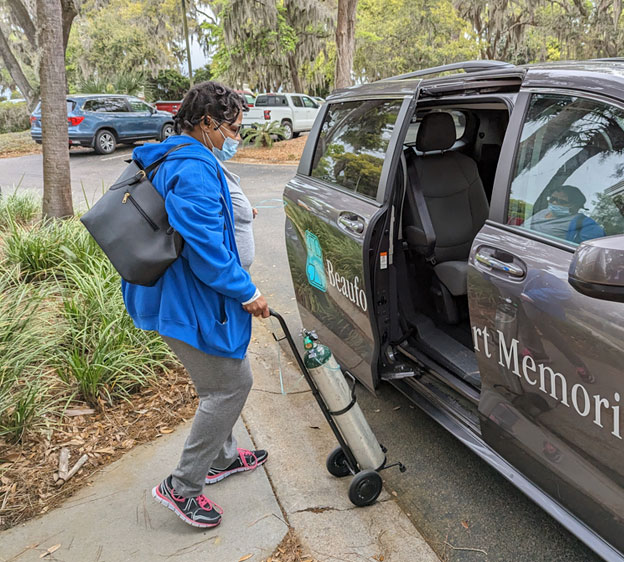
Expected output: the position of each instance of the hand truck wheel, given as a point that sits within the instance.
(337, 464)
(365, 487)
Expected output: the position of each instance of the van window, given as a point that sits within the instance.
(352, 144)
(459, 118)
(568, 181)
(296, 101)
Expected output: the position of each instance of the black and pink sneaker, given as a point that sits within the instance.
(247, 460)
(198, 511)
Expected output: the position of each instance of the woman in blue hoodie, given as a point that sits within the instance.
(203, 304)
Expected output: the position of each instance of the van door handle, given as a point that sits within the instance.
(351, 222)
(499, 265)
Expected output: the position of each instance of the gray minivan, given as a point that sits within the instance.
(462, 237)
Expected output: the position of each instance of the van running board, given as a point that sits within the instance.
(447, 351)
(439, 372)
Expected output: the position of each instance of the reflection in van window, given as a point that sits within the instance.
(568, 180)
(352, 144)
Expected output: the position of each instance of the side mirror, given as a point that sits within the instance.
(597, 269)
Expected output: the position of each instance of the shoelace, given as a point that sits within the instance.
(243, 456)
(203, 501)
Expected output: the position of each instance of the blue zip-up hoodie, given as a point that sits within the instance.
(198, 299)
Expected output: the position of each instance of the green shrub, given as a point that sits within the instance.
(263, 135)
(68, 334)
(20, 208)
(25, 347)
(167, 85)
(203, 74)
(37, 250)
(14, 117)
(102, 352)
(130, 83)
(44, 249)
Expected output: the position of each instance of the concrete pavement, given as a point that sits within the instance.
(116, 519)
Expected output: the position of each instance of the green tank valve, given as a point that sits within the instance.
(316, 354)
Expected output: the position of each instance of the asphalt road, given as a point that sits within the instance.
(463, 508)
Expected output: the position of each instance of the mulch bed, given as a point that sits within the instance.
(27, 471)
(283, 152)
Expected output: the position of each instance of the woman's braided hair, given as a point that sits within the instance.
(208, 98)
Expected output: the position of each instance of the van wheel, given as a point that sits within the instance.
(166, 131)
(365, 488)
(337, 463)
(105, 142)
(288, 130)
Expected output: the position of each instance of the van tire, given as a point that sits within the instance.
(105, 142)
(288, 129)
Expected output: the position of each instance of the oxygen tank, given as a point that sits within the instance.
(341, 403)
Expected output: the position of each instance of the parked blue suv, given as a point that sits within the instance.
(101, 121)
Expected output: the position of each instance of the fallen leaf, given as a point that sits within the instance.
(314, 427)
(377, 411)
(465, 524)
(394, 493)
(396, 408)
(50, 550)
(246, 557)
(105, 451)
(166, 430)
(11, 457)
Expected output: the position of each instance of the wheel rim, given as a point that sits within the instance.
(288, 131)
(168, 131)
(107, 142)
(366, 489)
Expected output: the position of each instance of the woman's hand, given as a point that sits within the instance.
(259, 307)
(255, 212)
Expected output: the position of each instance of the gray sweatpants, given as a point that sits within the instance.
(222, 384)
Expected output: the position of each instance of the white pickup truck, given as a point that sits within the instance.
(294, 112)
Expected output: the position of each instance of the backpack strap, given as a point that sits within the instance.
(153, 167)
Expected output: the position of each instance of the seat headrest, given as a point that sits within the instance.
(436, 132)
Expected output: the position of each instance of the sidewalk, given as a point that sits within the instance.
(116, 519)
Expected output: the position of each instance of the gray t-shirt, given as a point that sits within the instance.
(544, 221)
(243, 219)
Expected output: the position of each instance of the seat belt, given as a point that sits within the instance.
(417, 201)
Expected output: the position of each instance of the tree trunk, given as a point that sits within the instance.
(345, 42)
(16, 73)
(24, 20)
(57, 199)
(294, 73)
(70, 11)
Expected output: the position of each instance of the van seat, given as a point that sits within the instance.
(454, 195)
